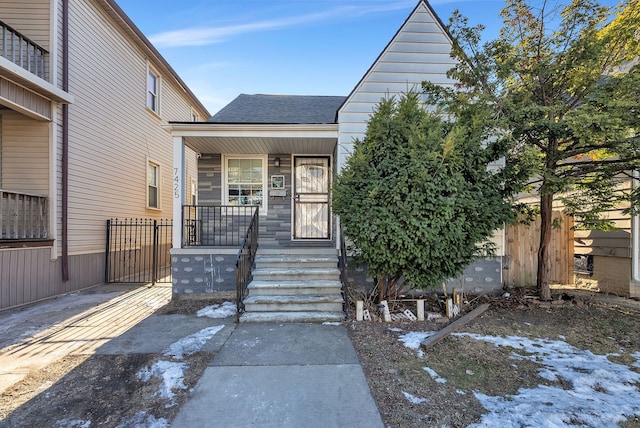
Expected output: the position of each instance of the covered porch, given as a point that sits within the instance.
(260, 184)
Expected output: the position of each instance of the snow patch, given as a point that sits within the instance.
(171, 373)
(603, 393)
(224, 310)
(72, 423)
(143, 420)
(434, 375)
(396, 329)
(636, 355)
(414, 399)
(413, 339)
(331, 323)
(191, 344)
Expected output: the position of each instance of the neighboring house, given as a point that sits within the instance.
(84, 97)
(281, 153)
(606, 261)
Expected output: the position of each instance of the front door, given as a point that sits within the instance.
(311, 213)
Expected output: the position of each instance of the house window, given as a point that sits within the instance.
(153, 180)
(153, 91)
(194, 193)
(194, 116)
(245, 179)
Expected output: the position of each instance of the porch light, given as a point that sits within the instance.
(276, 162)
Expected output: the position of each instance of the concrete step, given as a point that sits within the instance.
(296, 261)
(284, 251)
(296, 274)
(304, 303)
(294, 288)
(292, 317)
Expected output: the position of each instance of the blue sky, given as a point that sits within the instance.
(222, 48)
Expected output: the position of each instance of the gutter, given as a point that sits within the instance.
(634, 287)
(65, 143)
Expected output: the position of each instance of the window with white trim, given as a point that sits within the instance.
(153, 185)
(153, 91)
(245, 179)
(194, 192)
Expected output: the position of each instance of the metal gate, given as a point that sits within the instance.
(138, 250)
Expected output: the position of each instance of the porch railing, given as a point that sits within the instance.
(245, 261)
(216, 226)
(20, 50)
(23, 216)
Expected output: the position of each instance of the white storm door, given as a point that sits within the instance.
(311, 213)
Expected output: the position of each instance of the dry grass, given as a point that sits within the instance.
(469, 365)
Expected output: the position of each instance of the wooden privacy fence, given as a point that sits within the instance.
(522, 242)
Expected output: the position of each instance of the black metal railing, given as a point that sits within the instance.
(137, 250)
(342, 265)
(245, 261)
(23, 216)
(20, 50)
(215, 226)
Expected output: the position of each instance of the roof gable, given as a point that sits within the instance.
(420, 50)
(279, 109)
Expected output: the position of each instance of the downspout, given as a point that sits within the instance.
(65, 142)
(635, 245)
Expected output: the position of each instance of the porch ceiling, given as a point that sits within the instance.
(262, 138)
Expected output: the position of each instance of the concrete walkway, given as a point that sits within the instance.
(263, 375)
(282, 375)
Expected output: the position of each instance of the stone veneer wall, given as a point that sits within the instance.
(483, 276)
(202, 271)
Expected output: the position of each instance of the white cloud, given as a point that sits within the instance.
(201, 36)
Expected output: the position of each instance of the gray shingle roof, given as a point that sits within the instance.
(284, 109)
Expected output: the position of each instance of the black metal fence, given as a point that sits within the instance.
(138, 250)
(216, 226)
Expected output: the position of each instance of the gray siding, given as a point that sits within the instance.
(28, 275)
(210, 179)
(418, 52)
(275, 229)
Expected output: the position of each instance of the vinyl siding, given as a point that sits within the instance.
(613, 243)
(25, 154)
(29, 275)
(420, 51)
(112, 134)
(29, 17)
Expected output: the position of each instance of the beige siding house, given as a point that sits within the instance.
(84, 97)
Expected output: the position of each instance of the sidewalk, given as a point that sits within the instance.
(282, 375)
(263, 374)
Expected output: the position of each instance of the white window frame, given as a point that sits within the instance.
(193, 192)
(156, 96)
(194, 116)
(151, 162)
(265, 189)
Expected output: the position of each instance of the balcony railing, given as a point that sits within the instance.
(215, 226)
(23, 216)
(22, 51)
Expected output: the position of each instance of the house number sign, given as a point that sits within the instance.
(176, 183)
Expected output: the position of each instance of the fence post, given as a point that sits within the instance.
(154, 274)
(107, 260)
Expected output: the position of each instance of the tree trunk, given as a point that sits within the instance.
(544, 262)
